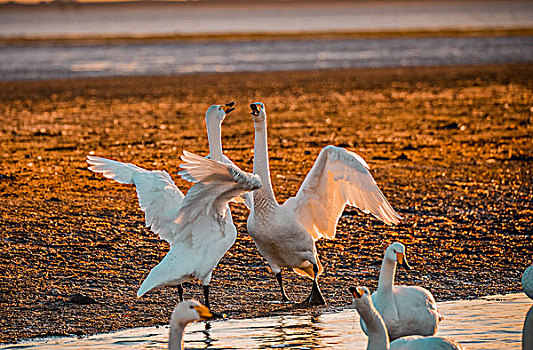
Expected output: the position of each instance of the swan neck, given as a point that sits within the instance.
(175, 341)
(378, 338)
(261, 166)
(214, 136)
(386, 275)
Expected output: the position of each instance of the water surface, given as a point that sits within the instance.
(171, 58)
(488, 323)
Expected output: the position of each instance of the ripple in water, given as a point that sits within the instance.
(487, 323)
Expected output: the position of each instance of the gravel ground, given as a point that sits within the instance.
(450, 147)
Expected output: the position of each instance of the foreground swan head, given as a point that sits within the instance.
(527, 281)
(396, 253)
(185, 312)
(258, 112)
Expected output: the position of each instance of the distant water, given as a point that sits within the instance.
(488, 323)
(162, 58)
(277, 16)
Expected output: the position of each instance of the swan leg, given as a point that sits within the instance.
(315, 297)
(206, 296)
(180, 292)
(284, 297)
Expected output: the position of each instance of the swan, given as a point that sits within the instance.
(184, 313)
(378, 338)
(204, 230)
(527, 332)
(407, 310)
(158, 195)
(285, 234)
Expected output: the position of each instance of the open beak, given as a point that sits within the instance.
(255, 109)
(203, 312)
(356, 292)
(228, 107)
(402, 261)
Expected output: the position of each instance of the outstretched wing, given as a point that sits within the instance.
(339, 177)
(159, 197)
(216, 184)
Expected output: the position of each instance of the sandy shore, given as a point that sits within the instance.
(450, 147)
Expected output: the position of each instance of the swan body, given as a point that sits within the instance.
(527, 332)
(161, 200)
(378, 338)
(407, 310)
(285, 234)
(184, 313)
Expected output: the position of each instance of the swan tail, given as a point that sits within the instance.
(171, 271)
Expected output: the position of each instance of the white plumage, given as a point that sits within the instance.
(527, 331)
(161, 200)
(407, 310)
(205, 230)
(285, 234)
(378, 338)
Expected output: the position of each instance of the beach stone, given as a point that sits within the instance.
(81, 299)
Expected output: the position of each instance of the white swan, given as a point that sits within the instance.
(407, 310)
(527, 332)
(378, 338)
(285, 234)
(184, 313)
(158, 195)
(203, 230)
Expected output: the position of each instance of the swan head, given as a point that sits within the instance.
(396, 253)
(217, 113)
(189, 311)
(258, 112)
(361, 297)
(527, 281)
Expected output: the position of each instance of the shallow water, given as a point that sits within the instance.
(488, 323)
(60, 61)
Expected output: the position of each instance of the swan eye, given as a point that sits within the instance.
(191, 307)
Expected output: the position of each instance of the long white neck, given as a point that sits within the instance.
(264, 197)
(378, 338)
(214, 136)
(175, 341)
(386, 276)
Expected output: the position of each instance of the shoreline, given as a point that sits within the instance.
(87, 40)
(448, 146)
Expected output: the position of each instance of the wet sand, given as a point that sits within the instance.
(450, 147)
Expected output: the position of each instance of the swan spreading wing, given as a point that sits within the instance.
(339, 177)
(159, 197)
(216, 184)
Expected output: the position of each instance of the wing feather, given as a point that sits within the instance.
(337, 178)
(158, 195)
(215, 184)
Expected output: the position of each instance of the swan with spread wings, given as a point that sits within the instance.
(285, 234)
(159, 197)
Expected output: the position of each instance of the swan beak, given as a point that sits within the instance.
(255, 109)
(403, 261)
(357, 292)
(203, 312)
(228, 107)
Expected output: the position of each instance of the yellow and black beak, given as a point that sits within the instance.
(402, 261)
(357, 292)
(256, 108)
(203, 312)
(228, 107)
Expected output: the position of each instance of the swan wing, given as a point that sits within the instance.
(339, 177)
(428, 343)
(215, 184)
(247, 199)
(158, 195)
